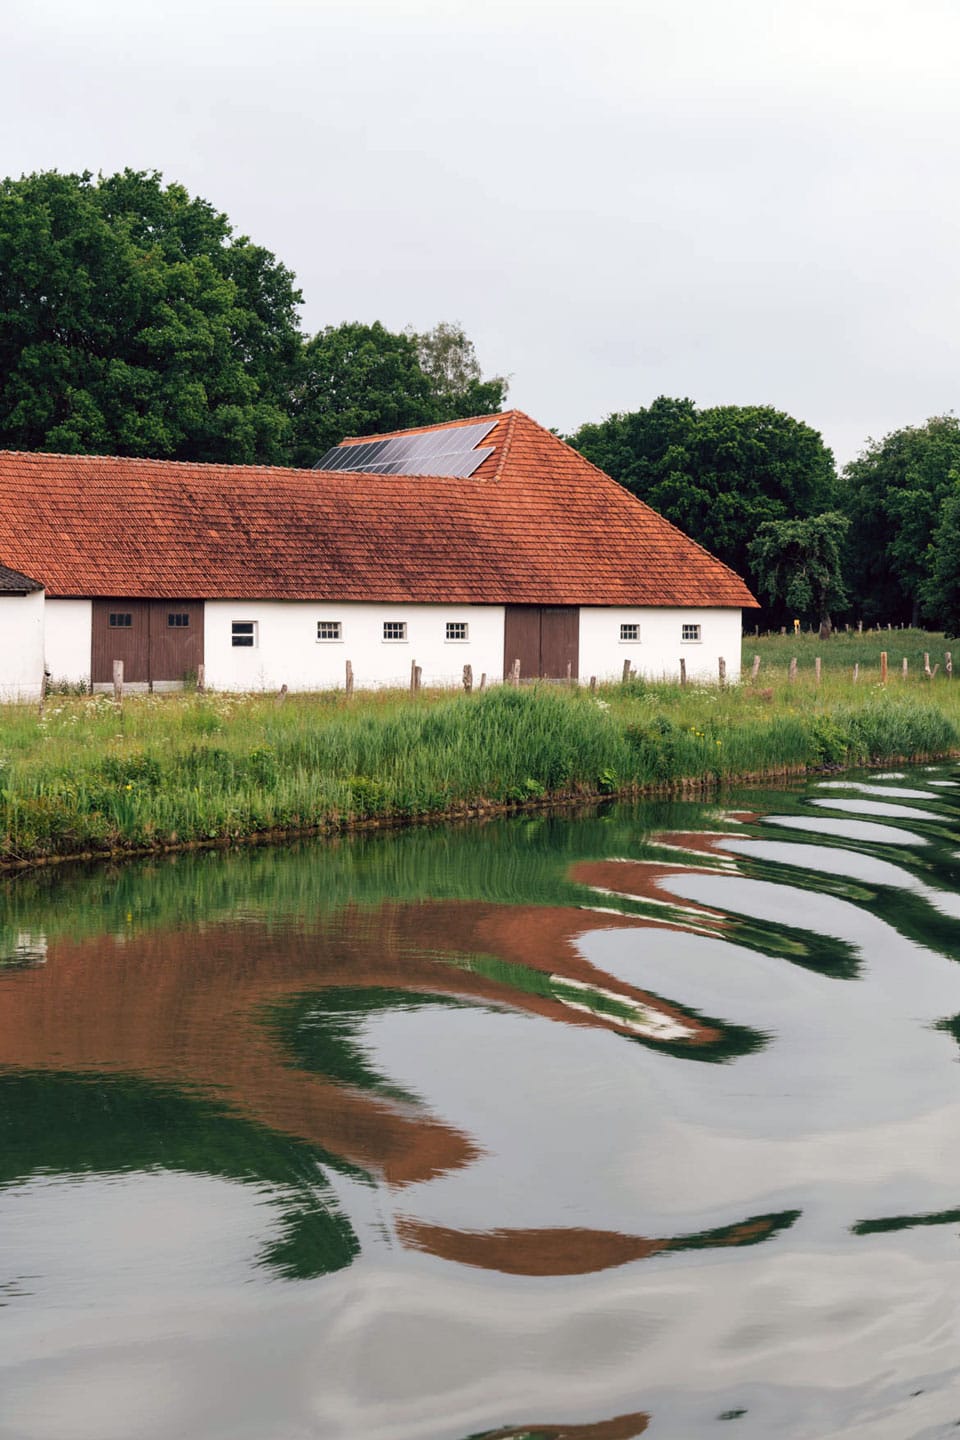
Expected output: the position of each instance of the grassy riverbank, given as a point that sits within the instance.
(181, 769)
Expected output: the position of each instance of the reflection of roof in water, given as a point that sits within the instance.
(202, 1008)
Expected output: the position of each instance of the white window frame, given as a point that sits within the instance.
(463, 639)
(330, 639)
(691, 639)
(394, 639)
(254, 635)
(629, 639)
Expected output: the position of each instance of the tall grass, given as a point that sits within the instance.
(170, 770)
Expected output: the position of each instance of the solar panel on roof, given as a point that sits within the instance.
(454, 452)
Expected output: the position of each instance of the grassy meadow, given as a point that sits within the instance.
(89, 776)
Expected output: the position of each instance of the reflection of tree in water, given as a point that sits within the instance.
(63, 1124)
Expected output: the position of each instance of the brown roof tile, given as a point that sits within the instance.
(535, 524)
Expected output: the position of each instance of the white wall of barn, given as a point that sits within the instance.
(67, 645)
(657, 652)
(21, 646)
(286, 650)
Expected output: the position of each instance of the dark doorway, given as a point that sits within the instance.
(157, 640)
(544, 638)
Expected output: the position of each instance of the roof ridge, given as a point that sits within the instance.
(494, 415)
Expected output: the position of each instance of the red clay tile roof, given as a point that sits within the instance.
(535, 524)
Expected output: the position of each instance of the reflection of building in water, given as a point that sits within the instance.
(621, 1427)
(220, 1010)
(28, 949)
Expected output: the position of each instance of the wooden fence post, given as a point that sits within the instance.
(201, 679)
(859, 627)
(593, 684)
(118, 681)
(756, 669)
(816, 666)
(415, 674)
(948, 665)
(516, 674)
(349, 680)
(569, 672)
(626, 670)
(722, 670)
(883, 667)
(906, 668)
(43, 691)
(281, 696)
(468, 678)
(856, 672)
(793, 669)
(683, 671)
(926, 664)
(483, 679)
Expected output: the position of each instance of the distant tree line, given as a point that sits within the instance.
(134, 321)
(878, 542)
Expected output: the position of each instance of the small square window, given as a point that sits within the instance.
(457, 630)
(690, 632)
(394, 629)
(178, 619)
(243, 634)
(120, 619)
(329, 630)
(629, 632)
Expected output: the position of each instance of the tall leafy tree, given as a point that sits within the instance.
(894, 494)
(940, 589)
(134, 321)
(718, 473)
(800, 562)
(358, 379)
(449, 360)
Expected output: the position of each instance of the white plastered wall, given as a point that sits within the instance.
(657, 653)
(69, 628)
(287, 651)
(21, 646)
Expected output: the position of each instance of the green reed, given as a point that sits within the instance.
(90, 775)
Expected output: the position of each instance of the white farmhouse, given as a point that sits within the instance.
(481, 542)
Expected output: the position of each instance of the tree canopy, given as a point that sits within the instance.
(800, 562)
(894, 494)
(717, 473)
(358, 379)
(133, 321)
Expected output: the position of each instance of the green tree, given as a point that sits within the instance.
(940, 589)
(716, 473)
(449, 361)
(358, 379)
(800, 562)
(894, 494)
(133, 321)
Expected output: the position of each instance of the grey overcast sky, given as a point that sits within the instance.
(743, 201)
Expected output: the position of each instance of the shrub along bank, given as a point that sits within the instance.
(90, 776)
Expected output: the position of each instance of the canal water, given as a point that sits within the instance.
(644, 1121)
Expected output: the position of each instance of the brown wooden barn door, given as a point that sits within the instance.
(544, 638)
(155, 639)
(559, 641)
(121, 631)
(176, 638)
(521, 640)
